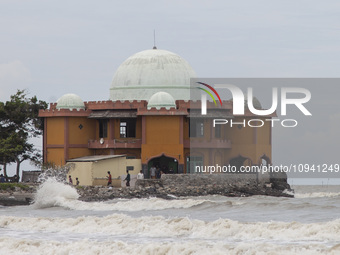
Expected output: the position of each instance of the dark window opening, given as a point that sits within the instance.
(129, 168)
(194, 163)
(196, 128)
(127, 128)
(218, 131)
(103, 128)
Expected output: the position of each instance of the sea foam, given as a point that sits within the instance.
(317, 194)
(178, 227)
(53, 193)
(85, 247)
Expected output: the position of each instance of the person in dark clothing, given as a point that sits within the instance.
(158, 173)
(127, 179)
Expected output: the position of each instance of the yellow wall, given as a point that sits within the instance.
(56, 136)
(101, 152)
(237, 135)
(95, 173)
(116, 128)
(264, 133)
(55, 156)
(150, 151)
(78, 152)
(55, 130)
(82, 170)
(244, 143)
(129, 152)
(162, 136)
(116, 166)
(162, 130)
(81, 136)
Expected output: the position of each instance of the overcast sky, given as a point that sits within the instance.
(56, 47)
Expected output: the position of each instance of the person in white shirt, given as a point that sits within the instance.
(153, 172)
(140, 175)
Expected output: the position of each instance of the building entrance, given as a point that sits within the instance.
(165, 164)
(238, 162)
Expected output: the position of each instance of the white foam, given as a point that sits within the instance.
(53, 193)
(133, 204)
(158, 226)
(289, 192)
(317, 194)
(85, 247)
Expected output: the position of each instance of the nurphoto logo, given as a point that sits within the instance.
(239, 100)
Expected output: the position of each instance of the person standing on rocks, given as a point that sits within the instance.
(77, 181)
(127, 179)
(158, 172)
(153, 172)
(140, 175)
(70, 180)
(109, 178)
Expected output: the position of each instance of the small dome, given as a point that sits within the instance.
(161, 99)
(256, 103)
(149, 71)
(70, 101)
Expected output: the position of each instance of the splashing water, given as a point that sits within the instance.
(52, 193)
(59, 174)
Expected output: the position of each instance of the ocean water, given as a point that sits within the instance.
(58, 223)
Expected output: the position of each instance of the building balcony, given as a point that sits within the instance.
(199, 143)
(127, 143)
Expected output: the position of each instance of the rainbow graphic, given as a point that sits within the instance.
(209, 93)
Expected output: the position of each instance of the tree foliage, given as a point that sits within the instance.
(19, 122)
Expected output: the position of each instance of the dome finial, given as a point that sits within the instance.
(154, 40)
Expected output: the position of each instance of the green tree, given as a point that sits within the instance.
(19, 122)
(7, 148)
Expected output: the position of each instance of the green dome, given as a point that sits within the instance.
(70, 101)
(161, 100)
(150, 71)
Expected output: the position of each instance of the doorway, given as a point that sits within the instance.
(166, 164)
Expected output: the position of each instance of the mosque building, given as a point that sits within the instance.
(150, 118)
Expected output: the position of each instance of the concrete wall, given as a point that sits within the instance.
(30, 176)
(82, 170)
(204, 180)
(95, 173)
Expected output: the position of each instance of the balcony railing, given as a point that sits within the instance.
(204, 144)
(131, 143)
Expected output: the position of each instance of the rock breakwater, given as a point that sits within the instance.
(168, 187)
